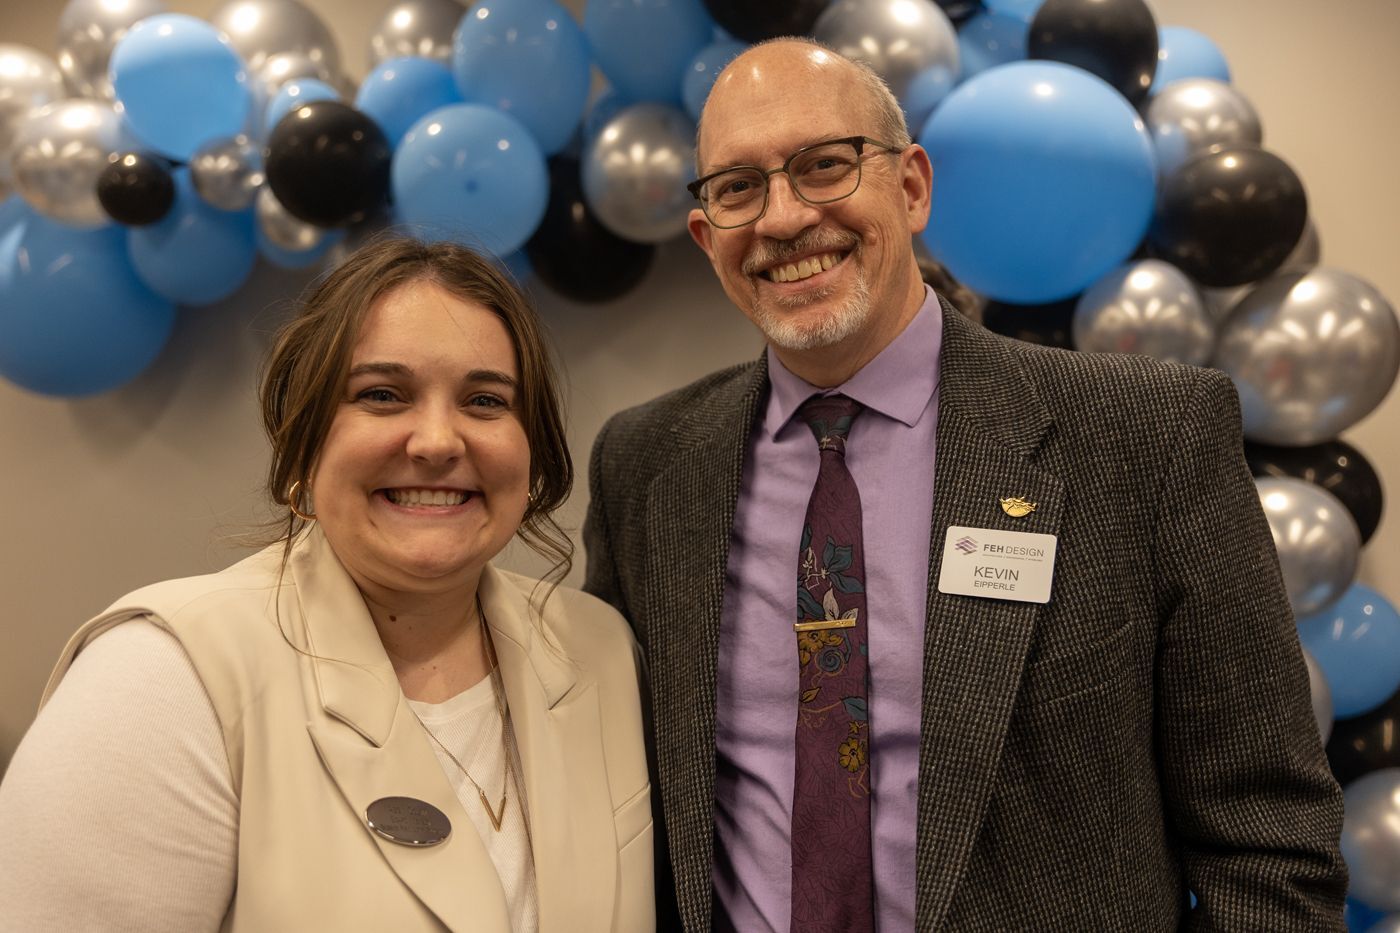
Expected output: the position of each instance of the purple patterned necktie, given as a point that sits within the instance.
(833, 884)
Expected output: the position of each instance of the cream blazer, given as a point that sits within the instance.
(317, 728)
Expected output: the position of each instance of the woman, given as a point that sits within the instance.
(365, 726)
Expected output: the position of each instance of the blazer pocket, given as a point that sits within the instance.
(633, 816)
(1065, 675)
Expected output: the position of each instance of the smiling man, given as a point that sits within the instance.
(944, 631)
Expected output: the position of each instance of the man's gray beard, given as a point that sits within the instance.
(784, 330)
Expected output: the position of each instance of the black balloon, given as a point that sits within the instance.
(1336, 466)
(136, 188)
(1114, 39)
(1365, 743)
(1229, 217)
(574, 254)
(754, 22)
(328, 163)
(1050, 325)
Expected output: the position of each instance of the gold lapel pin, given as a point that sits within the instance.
(1017, 507)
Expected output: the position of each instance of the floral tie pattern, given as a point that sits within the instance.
(832, 876)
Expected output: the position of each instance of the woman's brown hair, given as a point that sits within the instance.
(304, 376)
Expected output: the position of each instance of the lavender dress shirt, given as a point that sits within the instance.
(890, 454)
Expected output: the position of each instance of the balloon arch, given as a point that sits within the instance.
(1100, 185)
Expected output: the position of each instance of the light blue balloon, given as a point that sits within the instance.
(645, 46)
(1356, 642)
(991, 39)
(196, 254)
(1023, 10)
(527, 58)
(703, 71)
(1186, 53)
(180, 83)
(293, 94)
(470, 173)
(400, 91)
(1043, 180)
(74, 318)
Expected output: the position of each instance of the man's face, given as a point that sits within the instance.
(808, 275)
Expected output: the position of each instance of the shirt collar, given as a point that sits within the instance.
(898, 382)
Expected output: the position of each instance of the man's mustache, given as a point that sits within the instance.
(766, 253)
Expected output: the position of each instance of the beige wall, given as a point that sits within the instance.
(150, 481)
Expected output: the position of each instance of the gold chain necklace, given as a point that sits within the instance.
(495, 814)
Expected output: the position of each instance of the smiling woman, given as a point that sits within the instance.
(366, 726)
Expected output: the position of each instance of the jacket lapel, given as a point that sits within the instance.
(383, 752)
(991, 424)
(558, 729)
(690, 514)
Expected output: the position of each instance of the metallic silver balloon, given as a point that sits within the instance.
(910, 43)
(1219, 302)
(1197, 115)
(227, 173)
(88, 30)
(1387, 924)
(1321, 697)
(1311, 355)
(28, 80)
(262, 29)
(1371, 838)
(1307, 254)
(1148, 307)
(416, 27)
(636, 169)
(282, 229)
(1317, 541)
(58, 154)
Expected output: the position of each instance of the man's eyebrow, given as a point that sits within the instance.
(807, 144)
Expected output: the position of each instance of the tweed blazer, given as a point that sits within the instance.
(1083, 763)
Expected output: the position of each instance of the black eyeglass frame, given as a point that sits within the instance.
(859, 142)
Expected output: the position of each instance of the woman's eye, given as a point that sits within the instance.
(379, 395)
(487, 400)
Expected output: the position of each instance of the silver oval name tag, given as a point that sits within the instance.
(408, 821)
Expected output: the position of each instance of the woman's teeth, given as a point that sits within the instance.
(425, 497)
(805, 268)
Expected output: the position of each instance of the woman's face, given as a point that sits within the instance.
(425, 471)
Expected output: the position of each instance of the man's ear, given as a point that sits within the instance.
(917, 180)
(701, 232)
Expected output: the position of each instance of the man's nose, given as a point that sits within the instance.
(787, 214)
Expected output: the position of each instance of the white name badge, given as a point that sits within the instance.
(997, 564)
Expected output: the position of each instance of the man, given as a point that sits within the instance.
(1077, 696)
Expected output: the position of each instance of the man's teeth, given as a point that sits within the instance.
(792, 272)
(425, 497)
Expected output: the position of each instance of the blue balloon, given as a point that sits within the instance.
(470, 173)
(703, 71)
(1186, 53)
(1359, 917)
(293, 94)
(991, 39)
(1043, 180)
(1023, 10)
(196, 254)
(180, 83)
(400, 91)
(1356, 642)
(527, 58)
(645, 46)
(74, 318)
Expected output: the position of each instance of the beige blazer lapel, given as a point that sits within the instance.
(991, 424)
(373, 746)
(557, 724)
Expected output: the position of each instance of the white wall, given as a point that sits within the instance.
(150, 481)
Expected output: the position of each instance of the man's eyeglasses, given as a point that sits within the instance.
(819, 174)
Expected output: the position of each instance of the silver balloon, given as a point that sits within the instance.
(1317, 541)
(1371, 838)
(1307, 254)
(1321, 697)
(1219, 302)
(262, 29)
(282, 229)
(1197, 115)
(1147, 307)
(278, 69)
(416, 27)
(58, 155)
(636, 169)
(88, 30)
(909, 43)
(1310, 354)
(227, 173)
(1387, 924)
(28, 80)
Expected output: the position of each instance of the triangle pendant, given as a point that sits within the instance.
(495, 815)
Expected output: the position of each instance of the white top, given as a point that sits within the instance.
(119, 812)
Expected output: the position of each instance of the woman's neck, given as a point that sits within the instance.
(435, 644)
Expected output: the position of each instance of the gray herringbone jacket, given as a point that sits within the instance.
(1084, 763)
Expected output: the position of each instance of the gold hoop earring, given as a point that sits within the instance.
(292, 495)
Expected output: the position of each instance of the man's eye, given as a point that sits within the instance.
(738, 186)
